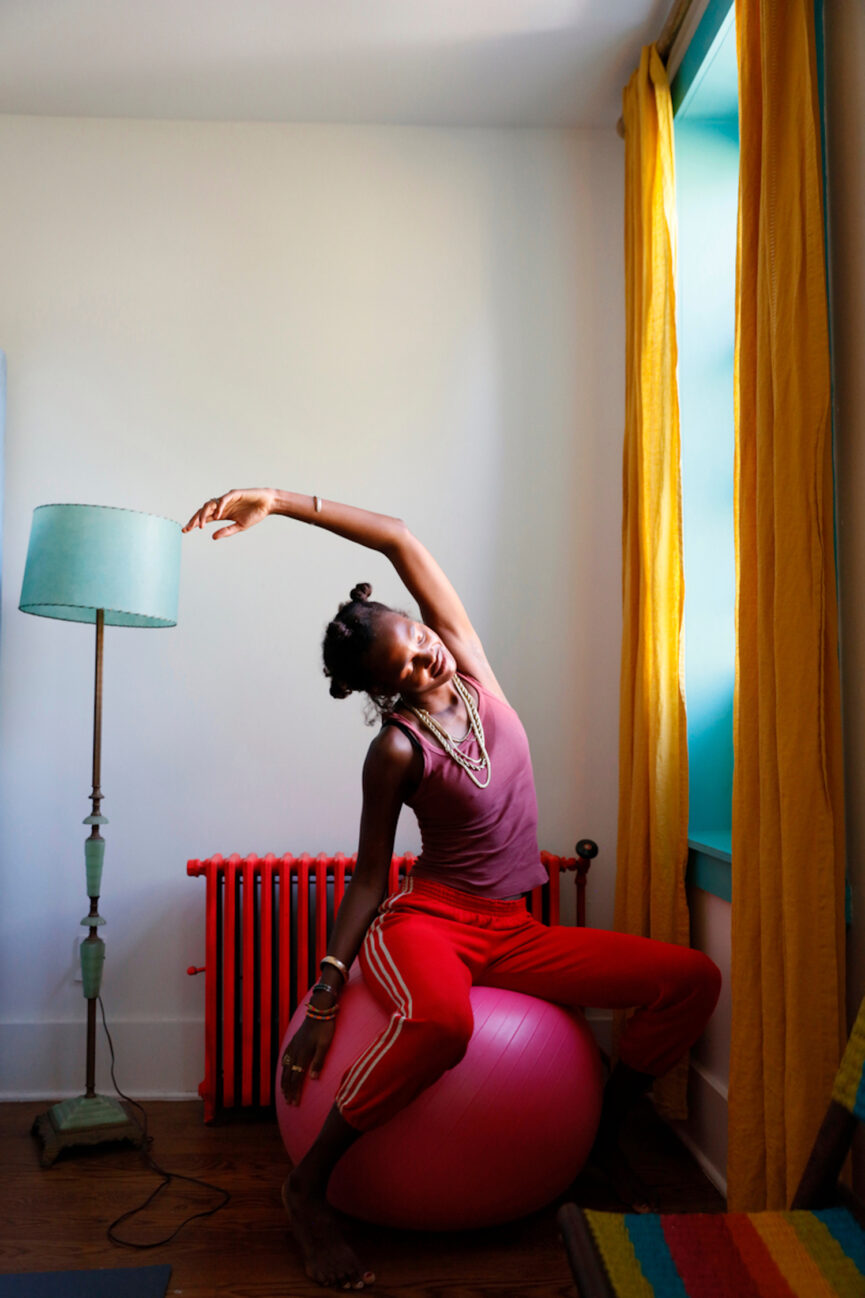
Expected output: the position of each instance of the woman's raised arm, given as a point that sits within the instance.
(440, 606)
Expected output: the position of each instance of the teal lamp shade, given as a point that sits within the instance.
(83, 558)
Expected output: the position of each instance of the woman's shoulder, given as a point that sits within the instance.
(394, 740)
(393, 758)
(398, 729)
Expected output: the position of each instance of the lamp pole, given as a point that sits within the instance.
(93, 948)
(90, 1119)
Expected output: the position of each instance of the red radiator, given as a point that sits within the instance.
(268, 921)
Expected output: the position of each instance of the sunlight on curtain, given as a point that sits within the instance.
(788, 871)
(653, 760)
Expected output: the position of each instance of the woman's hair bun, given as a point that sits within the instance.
(338, 690)
(361, 592)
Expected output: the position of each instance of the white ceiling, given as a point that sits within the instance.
(406, 62)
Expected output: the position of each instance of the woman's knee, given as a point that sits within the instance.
(704, 980)
(448, 1030)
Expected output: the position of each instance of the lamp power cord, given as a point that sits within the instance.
(167, 1176)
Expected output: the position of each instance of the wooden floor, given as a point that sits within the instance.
(55, 1219)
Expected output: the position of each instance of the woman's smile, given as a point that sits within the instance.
(441, 661)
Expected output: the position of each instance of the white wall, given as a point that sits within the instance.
(424, 322)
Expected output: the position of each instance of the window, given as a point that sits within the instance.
(706, 124)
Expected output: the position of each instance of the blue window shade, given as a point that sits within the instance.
(705, 98)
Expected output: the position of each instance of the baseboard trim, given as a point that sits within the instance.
(704, 1131)
(712, 1172)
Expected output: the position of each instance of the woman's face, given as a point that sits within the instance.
(408, 658)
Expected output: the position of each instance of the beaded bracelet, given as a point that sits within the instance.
(321, 1016)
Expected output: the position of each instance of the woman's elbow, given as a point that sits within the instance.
(399, 539)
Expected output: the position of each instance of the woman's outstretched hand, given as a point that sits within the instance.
(241, 509)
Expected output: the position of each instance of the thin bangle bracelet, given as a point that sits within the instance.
(316, 501)
(337, 964)
(322, 986)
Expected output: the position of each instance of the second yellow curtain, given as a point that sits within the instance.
(788, 871)
(653, 759)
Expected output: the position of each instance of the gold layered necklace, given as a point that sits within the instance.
(473, 766)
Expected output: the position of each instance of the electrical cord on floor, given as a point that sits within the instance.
(167, 1177)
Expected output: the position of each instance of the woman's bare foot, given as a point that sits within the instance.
(327, 1257)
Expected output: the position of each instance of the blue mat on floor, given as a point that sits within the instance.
(120, 1282)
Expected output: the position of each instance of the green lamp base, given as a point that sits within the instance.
(85, 1120)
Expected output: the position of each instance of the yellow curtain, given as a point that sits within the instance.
(653, 761)
(787, 915)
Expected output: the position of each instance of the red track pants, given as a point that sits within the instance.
(430, 943)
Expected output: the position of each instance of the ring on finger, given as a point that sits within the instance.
(296, 1068)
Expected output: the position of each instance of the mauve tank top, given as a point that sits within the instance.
(481, 840)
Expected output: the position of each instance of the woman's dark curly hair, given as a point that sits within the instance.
(347, 642)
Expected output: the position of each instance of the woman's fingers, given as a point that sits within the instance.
(195, 521)
(292, 1076)
(226, 531)
(209, 512)
(295, 1083)
(305, 1052)
(294, 1064)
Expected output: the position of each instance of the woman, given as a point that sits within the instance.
(452, 748)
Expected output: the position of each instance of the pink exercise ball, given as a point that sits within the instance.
(497, 1137)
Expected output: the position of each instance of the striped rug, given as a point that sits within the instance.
(743, 1255)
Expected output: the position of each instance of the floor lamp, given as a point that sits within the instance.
(106, 567)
